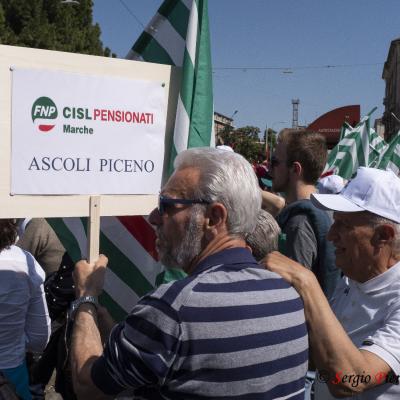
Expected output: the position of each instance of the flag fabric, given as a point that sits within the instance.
(351, 152)
(163, 41)
(362, 146)
(331, 160)
(377, 146)
(177, 35)
(390, 158)
(344, 130)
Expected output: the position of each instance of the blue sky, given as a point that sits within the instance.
(281, 33)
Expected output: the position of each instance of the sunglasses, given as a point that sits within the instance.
(164, 202)
(274, 162)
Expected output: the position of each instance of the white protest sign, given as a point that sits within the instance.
(82, 134)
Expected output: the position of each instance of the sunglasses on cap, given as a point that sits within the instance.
(164, 202)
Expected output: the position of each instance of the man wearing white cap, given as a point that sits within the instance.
(355, 341)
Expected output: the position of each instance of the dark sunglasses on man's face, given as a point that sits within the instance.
(164, 202)
(274, 162)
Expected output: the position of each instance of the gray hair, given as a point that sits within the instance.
(264, 238)
(376, 220)
(228, 178)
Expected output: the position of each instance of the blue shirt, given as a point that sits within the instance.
(24, 318)
(231, 330)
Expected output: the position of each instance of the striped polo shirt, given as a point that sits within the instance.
(231, 330)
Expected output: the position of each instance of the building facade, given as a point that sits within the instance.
(222, 123)
(391, 101)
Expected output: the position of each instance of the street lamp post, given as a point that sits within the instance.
(230, 126)
(234, 113)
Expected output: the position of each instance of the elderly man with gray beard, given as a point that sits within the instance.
(230, 330)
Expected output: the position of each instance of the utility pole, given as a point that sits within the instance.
(295, 119)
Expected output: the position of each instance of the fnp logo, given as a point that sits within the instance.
(45, 111)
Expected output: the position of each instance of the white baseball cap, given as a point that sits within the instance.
(331, 184)
(373, 190)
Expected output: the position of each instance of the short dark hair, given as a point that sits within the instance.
(307, 148)
(8, 233)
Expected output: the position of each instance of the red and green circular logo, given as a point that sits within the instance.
(45, 111)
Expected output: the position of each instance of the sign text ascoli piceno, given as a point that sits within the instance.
(103, 115)
(85, 164)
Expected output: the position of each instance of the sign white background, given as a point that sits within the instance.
(110, 140)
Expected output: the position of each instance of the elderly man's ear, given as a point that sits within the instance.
(384, 235)
(215, 220)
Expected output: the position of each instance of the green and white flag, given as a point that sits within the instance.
(177, 35)
(351, 152)
(344, 130)
(377, 146)
(360, 146)
(390, 158)
(330, 162)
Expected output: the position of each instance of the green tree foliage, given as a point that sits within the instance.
(246, 142)
(271, 141)
(52, 25)
(272, 137)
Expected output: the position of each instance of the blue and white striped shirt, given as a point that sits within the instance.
(232, 330)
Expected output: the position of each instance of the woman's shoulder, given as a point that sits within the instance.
(22, 261)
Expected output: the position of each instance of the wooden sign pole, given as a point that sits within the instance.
(93, 229)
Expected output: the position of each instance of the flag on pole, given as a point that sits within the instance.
(344, 130)
(377, 146)
(331, 160)
(351, 152)
(177, 35)
(390, 158)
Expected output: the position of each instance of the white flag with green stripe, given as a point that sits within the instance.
(377, 146)
(390, 158)
(345, 129)
(330, 162)
(177, 35)
(351, 152)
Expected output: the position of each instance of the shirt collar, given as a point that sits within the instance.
(236, 255)
(381, 281)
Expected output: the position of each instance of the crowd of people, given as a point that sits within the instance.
(289, 296)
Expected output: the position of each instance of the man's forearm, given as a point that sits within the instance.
(105, 323)
(272, 202)
(86, 347)
(326, 334)
(331, 348)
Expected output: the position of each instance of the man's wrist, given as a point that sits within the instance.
(85, 292)
(89, 308)
(303, 281)
(79, 302)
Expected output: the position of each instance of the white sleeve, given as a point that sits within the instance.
(385, 342)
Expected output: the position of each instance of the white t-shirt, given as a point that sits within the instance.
(370, 314)
(24, 318)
